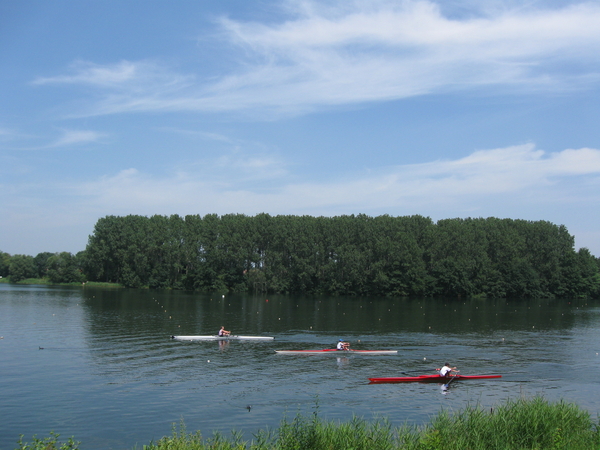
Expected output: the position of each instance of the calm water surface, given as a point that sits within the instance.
(99, 364)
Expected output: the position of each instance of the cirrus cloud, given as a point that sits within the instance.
(346, 53)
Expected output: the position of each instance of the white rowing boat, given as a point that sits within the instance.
(222, 338)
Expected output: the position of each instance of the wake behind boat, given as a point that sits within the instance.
(333, 351)
(222, 338)
(430, 379)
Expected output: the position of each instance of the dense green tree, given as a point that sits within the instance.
(21, 267)
(41, 263)
(579, 275)
(397, 258)
(4, 264)
(103, 253)
(160, 264)
(457, 257)
(346, 255)
(64, 268)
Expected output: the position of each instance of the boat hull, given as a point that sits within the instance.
(430, 379)
(222, 338)
(333, 351)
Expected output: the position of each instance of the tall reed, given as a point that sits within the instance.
(517, 424)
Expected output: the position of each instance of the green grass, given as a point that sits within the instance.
(49, 443)
(101, 284)
(45, 281)
(6, 280)
(25, 281)
(532, 424)
(518, 424)
(34, 281)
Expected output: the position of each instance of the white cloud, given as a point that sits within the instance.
(94, 74)
(76, 137)
(67, 138)
(127, 75)
(351, 52)
(514, 174)
(5, 133)
(11, 135)
(209, 136)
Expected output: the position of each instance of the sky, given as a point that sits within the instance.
(445, 109)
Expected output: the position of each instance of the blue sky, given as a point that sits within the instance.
(444, 109)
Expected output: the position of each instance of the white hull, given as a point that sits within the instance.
(222, 338)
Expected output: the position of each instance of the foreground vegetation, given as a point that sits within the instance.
(518, 424)
(345, 255)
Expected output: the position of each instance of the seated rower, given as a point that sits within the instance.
(224, 332)
(446, 371)
(343, 345)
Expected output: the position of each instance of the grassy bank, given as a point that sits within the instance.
(43, 281)
(517, 424)
(47, 282)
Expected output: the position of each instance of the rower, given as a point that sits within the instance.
(446, 371)
(224, 332)
(341, 345)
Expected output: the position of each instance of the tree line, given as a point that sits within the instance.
(344, 255)
(62, 267)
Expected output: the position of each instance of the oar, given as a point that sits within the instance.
(451, 380)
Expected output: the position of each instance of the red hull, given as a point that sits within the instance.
(430, 379)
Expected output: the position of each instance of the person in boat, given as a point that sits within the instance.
(224, 332)
(446, 371)
(342, 345)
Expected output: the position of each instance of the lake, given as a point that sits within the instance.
(99, 364)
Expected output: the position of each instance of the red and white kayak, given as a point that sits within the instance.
(333, 351)
(430, 379)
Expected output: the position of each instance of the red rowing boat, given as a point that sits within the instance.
(430, 379)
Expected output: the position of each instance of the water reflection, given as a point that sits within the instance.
(342, 362)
